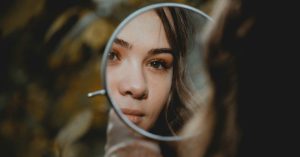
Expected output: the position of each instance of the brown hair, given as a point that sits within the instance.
(178, 31)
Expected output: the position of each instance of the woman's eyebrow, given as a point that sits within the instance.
(160, 50)
(123, 43)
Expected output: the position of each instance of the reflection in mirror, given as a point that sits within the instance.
(154, 70)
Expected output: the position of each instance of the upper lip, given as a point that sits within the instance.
(134, 112)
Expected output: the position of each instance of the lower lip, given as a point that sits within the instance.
(133, 118)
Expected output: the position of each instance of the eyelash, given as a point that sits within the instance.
(113, 56)
(159, 64)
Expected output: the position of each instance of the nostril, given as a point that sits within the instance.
(143, 96)
(137, 95)
(128, 93)
(134, 85)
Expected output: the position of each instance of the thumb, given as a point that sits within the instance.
(124, 142)
(117, 131)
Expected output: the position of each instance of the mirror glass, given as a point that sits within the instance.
(153, 69)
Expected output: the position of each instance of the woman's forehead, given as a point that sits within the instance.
(146, 29)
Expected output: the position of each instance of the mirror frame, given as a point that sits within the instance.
(104, 65)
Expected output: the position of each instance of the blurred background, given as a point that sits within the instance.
(50, 57)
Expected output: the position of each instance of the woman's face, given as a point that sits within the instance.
(140, 68)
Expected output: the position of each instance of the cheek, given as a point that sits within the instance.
(159, 90)
(112, 82)
(109, 78)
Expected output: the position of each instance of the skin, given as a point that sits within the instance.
(140, 68)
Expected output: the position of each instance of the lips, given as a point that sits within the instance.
(133, 115)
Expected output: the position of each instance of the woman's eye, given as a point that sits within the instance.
(113, 56)
(159, 64)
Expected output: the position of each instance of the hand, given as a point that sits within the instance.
(124, 142)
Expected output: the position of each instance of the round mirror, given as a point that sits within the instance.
(152, 69)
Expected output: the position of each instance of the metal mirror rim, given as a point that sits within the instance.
(104, 64)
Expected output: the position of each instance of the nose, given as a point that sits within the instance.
(134, 84)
